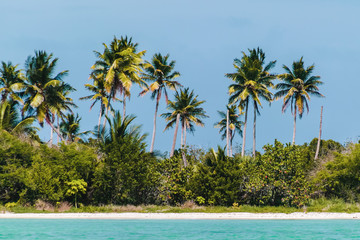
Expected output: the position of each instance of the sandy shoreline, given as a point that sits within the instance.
(150, 216)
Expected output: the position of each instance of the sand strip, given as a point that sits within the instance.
(235, 215)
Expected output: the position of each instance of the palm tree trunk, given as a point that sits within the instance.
(227, 133)
(51, 137)
(254, 132)
(182, 135)
(294, 131)
(154, 128)
(185, 135)
(244, 132)
(99, 123)
(54, 129)
(231, 142)
(175, 135)
(58, 125)
(105, 119)
(183, 146)
(124, 105)
(319, 139)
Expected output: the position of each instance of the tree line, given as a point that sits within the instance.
(114, 166)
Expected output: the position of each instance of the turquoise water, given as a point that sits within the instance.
(179, 229)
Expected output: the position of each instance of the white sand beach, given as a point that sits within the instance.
(128, 215)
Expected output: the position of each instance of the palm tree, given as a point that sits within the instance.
(297, 86)
(11, 81)
(41, 88)
(123, 66)
(162, 76)
(186, 108)
(252, 80)
(120, 127)
(234, 124)
(10, 120)
(99, 94)
(60, 103)
(70, 128)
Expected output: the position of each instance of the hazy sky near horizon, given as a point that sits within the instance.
(203, 37)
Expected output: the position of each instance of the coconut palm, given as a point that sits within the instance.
(11, 81)
(160, 73)
(41, 88)
(70, 128)
(10, 120)
(234, 124)
(186, 109)
(123, 66)
(297, 87)
(120, 128)
(99, 94)
(252, 80)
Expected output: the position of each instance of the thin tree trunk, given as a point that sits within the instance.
(294, 131)
(175, 135)
(319, 139)
(231, 142)
(227, 134)
(154, 128)
(58, 125)
(124, 105)
(105, 119)
(244, 132)
(184, 146)
(99, 123)
(54, 129)
(185, 135)
(51, 137)
(254, 133)
(182, 135)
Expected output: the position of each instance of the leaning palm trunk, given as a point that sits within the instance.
(58, 126)
(231, 142)
(254, 133)
(175, 134)
(244, 132)
(51, 137)
(105, 119)
(54, 129)
(294, 131)
(154, 129)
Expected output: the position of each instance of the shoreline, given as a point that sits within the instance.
(185, 216)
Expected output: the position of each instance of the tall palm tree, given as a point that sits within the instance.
(41, 84)
(99, 94)
(234, 124)
(297, 87)
(160, 73)
(11, 81)
(123, 66)
(187, 107)
(252, 80)
(70, 128)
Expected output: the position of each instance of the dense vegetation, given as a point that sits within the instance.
(113, 166)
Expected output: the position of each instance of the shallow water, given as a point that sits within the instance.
(178, 229)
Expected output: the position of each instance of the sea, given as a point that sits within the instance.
(178, 229)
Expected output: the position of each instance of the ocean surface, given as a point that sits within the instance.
(179, 229)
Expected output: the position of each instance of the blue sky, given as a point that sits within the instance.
(203, 37)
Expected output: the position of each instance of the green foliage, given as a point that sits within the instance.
(127, 173)
(174, 181)
(340, 177)
(218, 179)
(279, 176)
(326, 147)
